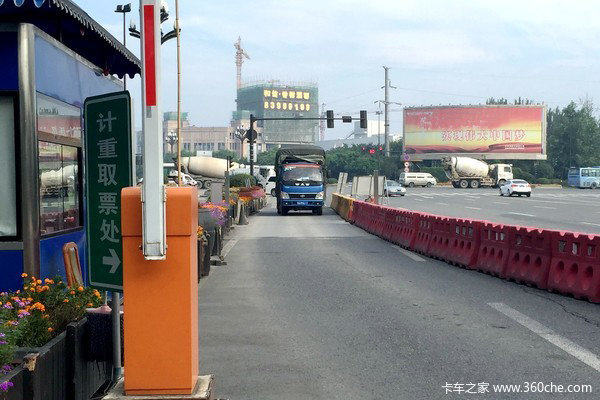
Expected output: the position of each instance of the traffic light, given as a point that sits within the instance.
(330, 118)
(363, 119)
(371, 151)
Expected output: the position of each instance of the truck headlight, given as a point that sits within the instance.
(319, 196)
(284, 195)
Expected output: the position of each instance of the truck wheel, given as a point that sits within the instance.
(207, 184)
(455, 184)
(463, 183)
(200, 185)
(474, 184)
(501, 182)
(411, 184)
(594, 185)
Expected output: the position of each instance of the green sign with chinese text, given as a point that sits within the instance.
(107, 170)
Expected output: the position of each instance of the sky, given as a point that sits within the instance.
(439, 52)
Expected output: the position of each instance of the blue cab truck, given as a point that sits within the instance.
(300, 172)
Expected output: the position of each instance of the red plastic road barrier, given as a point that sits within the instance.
(389, 222)
(405, 228)
(464, 242)
(440, 237)
(379, 221)
(530, 255)
(575, 265)
(363, 213)
(494, 249)
(423, 234)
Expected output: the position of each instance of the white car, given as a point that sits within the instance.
(270, 186)
(393, 188)
(515, 186)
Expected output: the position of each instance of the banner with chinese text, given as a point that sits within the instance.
(475, 129)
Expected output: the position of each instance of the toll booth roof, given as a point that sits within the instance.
(69, 24)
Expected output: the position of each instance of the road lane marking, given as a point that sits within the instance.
(409, 254)
(547, 208)
(499, 202)
(526, 215)
(473, 208)
(227, 248)
(444, 204)
(589, 223)
(548, 334)
(417, 199)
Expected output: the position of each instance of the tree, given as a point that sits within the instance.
(266, 157)
(573, 137)
(224, 154)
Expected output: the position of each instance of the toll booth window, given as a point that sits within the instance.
(60, 190)
(8, 194)
(58, 118)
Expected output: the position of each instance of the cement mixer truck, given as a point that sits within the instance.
(204, 170)
(466, 172)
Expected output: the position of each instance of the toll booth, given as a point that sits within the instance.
(52, 57)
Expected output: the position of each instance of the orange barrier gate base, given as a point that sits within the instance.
(161, 298)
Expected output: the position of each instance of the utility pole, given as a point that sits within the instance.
(386, 103)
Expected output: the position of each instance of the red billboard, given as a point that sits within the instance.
(497, 131)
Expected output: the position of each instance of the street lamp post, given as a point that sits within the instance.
(172, 139)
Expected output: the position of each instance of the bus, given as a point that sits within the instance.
(588, 177)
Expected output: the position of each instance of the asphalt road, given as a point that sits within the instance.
(574, 210)
(311, 307)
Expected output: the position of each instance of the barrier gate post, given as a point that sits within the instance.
(161, 298)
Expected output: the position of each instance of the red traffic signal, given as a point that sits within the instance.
(371, 151)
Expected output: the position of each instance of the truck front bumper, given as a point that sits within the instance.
(301, 204)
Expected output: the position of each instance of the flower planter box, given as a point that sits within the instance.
(61, 369)
(16, 391)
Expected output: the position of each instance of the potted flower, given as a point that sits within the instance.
(33, 323)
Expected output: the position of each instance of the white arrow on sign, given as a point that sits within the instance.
(113, 261)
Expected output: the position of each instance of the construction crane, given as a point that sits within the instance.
(239, 60)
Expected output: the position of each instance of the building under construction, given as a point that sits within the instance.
(274, 99)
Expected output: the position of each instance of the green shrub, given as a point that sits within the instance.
(332, 181)
(239, 180)
(556, 181)
(543, 181)
(437, 172)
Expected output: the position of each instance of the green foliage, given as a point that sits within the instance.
(437, 172)
(543, 181)
(239, 180)
(518, 173)
(332, 181)
(172, 157)
(224, 154)
(266, 157)
(573, 137)
(356, 162)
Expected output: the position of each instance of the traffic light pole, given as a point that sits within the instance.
(251, 136)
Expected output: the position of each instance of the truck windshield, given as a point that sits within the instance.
(299, 173)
